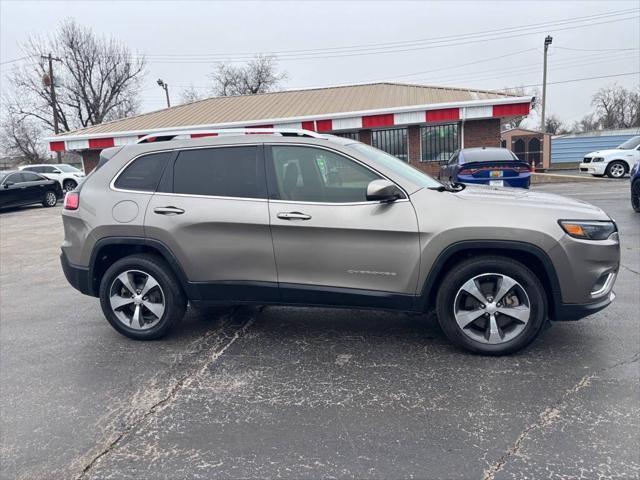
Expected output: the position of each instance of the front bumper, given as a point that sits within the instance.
(78, 277)
(570, 312)
(596, 168)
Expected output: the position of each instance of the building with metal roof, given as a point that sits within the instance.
(419, 124)
(570, 149)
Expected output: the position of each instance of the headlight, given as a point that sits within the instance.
(590, 230)
(597, 159)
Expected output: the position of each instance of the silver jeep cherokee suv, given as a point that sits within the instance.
(317, 220)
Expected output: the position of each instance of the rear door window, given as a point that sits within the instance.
(30, 177)
(220, 172)
(144, 173)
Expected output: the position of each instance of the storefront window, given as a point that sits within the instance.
(351, 135)
(439, 142)
(393, 141)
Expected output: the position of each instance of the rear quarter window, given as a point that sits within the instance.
(144, 173)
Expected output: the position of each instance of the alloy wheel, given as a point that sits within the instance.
(617, 170)
(492, 308)
(50, 199)
(69, 186)
(137, 299)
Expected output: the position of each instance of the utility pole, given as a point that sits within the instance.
(50, 82)
(547, 41)
(165, 87)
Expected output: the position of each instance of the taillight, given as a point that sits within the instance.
(72, 201)
(522, 168)
(468, 171)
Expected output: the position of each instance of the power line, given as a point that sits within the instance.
(530, 68)
(580, 79)
(17, 59)
(404, 43)
(598, 49)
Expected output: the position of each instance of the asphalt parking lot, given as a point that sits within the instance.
(307, 393)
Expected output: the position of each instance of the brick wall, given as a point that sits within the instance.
(413, 143)
(365, 136)
(482, 133)
(90, 159)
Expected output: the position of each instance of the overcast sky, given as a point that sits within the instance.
(182, 38)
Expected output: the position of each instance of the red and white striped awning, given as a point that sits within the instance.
(344, 121)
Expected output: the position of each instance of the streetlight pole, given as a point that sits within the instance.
(52, 86)
(547, 41)
(165, 87)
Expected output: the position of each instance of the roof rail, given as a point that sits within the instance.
(187, 134)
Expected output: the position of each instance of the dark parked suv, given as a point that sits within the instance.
(316, 220)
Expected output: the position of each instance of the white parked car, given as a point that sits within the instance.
(67, 176)
(615, 163)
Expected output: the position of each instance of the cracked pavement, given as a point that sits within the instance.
(305, 393)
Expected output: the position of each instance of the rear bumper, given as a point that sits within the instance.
(569, 312)
(77, 276)
(517, 182)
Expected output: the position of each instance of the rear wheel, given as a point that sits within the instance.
(491, 305)
(635, 195)
(616, 169)
(141, 298)
(50, 199)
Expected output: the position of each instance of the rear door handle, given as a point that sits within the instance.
(294, 216)
(168, 210)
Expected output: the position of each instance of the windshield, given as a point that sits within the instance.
(3, 175)
(630, 144)
(68, 168)
(398, 167)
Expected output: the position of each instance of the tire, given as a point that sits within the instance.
(50, 199)
(69, 185)
(635, 195)
(510, 335)
(616, 169)
(166, 297)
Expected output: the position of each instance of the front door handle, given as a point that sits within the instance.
(168, 210)
(294, 216)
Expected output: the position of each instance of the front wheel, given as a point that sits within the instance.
(69, 185)
(141, 298)
(616, 169)
(491, 305)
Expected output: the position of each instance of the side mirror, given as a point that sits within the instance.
(8, 184)
(383, 191)
(56, 171)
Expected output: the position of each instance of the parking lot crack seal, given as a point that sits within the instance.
(238, 330)
(549, 415)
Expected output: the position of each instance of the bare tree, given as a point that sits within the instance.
(588, 123)
(96, 80)
(515, 122)
(21, 137)
(617, 107)
(260, 75)
(554, 125)
(190, 95)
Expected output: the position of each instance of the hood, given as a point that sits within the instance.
(604, 153)
(517, 197)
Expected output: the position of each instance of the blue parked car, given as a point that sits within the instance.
(488, 166)
(635, 187)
